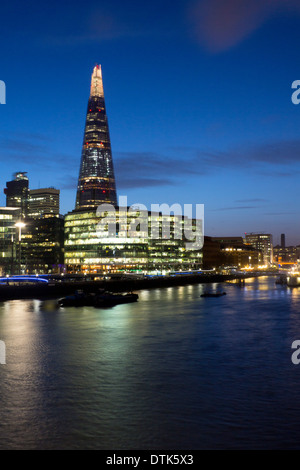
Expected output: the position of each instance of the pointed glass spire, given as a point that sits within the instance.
(97, 83)
(96, 182)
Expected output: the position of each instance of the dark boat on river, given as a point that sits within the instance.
(213, 294)
(98, 300)
(109, 299)
(78, 299)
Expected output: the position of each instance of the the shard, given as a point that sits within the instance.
(96, 182)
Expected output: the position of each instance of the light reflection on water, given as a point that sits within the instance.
(173, 370)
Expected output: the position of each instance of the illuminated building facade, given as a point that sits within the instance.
(8, 236)
(17, 192)
(90, 250)
(286, 255)
(42, 245)
(221, 252)
(43, 202)
(96, 182)
(262, 242)
(42, 237)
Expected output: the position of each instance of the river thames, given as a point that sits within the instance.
(172, 371)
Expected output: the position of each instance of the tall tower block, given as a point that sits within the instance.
(96, 182)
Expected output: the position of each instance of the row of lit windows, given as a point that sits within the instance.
(134, 257)
(101, 241)
(131, 216)
(154, 224)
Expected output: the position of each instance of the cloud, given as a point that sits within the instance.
(280, 213)
(256, 156)
(277, 152)
(131, 183)
(88, 38)
(278, 174)
(221, 24)
(22, 149)
(252, 200)
(68, 183)
(150, 169)
(29, 149)
(234, 208)
(145, 169)
(113, 21)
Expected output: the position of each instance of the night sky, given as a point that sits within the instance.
(198, 97)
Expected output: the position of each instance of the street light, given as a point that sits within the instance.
(12, 253)
(20, 225)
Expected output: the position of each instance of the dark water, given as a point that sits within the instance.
(173, 371)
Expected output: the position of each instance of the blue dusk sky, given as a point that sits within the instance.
(198, 97)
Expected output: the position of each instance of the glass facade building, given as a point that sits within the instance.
(230, 252)
(96, 182)
(43, 202)
(262, 242)
(91, 247)
(8, 239)
(17, 192)
(42, 245)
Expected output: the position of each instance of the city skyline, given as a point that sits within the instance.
(197, 114)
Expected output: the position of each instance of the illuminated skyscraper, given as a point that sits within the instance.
(17, 192)
(96, 182)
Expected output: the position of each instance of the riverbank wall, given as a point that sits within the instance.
(63, 288)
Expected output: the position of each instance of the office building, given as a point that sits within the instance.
(43, 203)
(42, 245)
(286, 256)
(262, 242)
(89, 249)
(9, 216)
(17, 192)
(230, 252)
